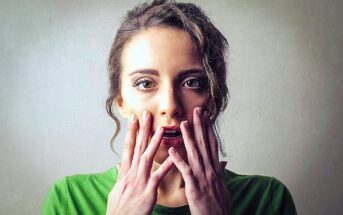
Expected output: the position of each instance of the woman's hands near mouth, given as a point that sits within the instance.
(135, 191)
(205, 190)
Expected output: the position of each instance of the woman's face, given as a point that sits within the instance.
(162, 73)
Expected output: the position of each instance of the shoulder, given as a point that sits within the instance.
(80, 181)
(235, 180)
(72, 192)
(101, 178)
(257, 192)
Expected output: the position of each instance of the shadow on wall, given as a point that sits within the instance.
(318, 188)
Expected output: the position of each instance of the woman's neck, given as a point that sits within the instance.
(171, 191)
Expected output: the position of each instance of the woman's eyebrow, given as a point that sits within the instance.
(145, 71)
(193, 71)
(182, 73)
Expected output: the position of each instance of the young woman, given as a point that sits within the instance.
(167, 77)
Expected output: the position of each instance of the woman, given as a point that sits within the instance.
(167, 70)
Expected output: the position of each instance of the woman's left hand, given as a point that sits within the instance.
(205, 189)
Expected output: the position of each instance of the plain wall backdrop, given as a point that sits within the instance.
(285, 117)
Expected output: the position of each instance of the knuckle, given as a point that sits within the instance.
(125, 181)
(195, 154)
(209, 185)
(204, 187)
(201, 142)
(146, 196)
(194, 193)
(144, 159)
(211, 176)
(188, 170)
(142, 127)
(130, 176)
(154, 179)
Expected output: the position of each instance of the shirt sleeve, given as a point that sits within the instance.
(56, 199)
(281, 199)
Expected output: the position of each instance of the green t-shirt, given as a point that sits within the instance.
(87, 194)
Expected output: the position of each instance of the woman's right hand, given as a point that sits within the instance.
(135, 191)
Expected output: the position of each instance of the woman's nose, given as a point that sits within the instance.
(170, 104)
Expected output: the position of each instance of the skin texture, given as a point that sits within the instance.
(162, 85)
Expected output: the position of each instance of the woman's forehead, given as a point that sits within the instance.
(160, 48)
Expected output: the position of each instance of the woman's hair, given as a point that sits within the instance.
(210, 43)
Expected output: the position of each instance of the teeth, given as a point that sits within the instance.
(170, 131)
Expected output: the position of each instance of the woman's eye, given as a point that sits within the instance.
(193, 83)
(144, 84)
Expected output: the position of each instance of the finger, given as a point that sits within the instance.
(201, 138)
(142, 139)
(213, 145)
(193, 155)
(183, 167)
(129, 144)
(157, 176)
(147, 157)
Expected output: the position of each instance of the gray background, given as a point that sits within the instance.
(284, 118)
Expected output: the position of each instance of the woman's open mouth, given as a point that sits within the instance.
(172, 136)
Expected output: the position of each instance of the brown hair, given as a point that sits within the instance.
(210, 43)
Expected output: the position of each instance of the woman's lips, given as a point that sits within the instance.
(175, 141)
(172, 136)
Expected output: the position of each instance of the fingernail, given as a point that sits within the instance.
(132, 118)
(158, 129)
(145, 114)
(186, 123)
(172, 150)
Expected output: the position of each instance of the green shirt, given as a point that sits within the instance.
(87, 194)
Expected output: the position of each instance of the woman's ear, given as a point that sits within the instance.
(120, 106)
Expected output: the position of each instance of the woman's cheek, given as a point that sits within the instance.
(192, 100)
(137, 106)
